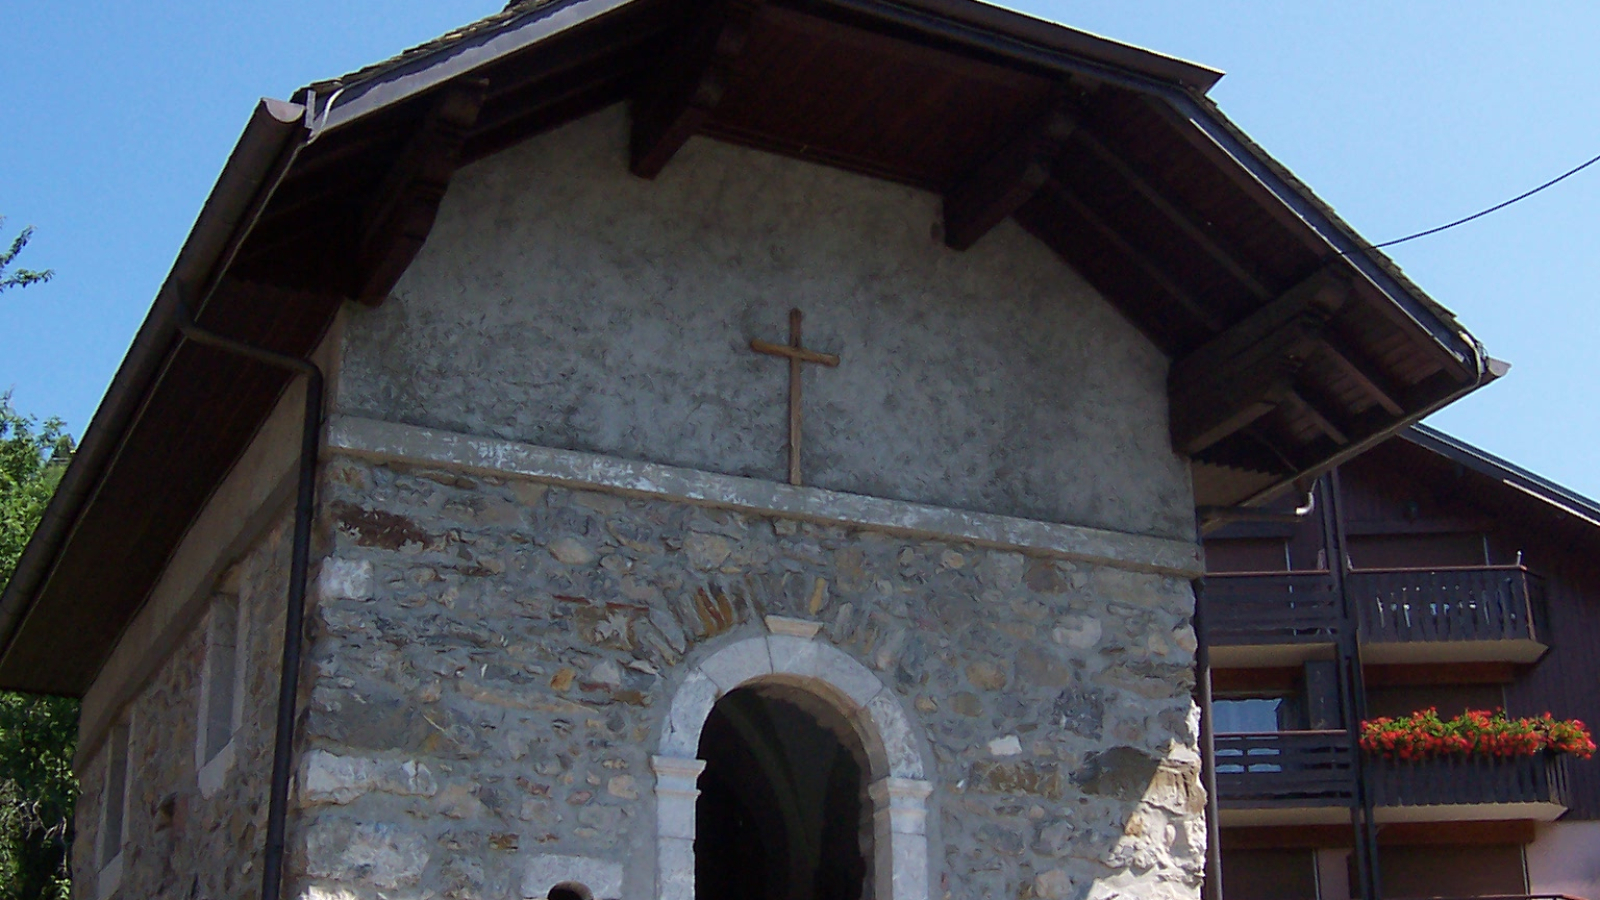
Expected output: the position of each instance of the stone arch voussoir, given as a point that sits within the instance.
(791, 654)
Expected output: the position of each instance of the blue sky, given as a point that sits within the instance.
(1403, 116)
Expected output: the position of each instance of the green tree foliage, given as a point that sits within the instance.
(37, 789)
(20, 277)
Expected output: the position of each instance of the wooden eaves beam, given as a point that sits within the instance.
(1250, 369)
(1179, 218)
(1138, 258)
(675, 101)
(1319, 415)
(1364, 372)
(999, 185)
(401, 213)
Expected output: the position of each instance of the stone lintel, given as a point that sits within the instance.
(408, 444)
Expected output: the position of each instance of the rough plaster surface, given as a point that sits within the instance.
(562, 302)
(487, 704)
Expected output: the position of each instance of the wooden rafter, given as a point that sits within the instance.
(1363, 371)
(1202, 415)
(1141, 260)
(675, 102)
(401, 214)
(1291, 462)
(1181, 219)
(1318, 414)
(999, 185)
(1250, 369)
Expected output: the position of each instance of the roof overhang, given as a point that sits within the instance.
(1559, 502)
(1295, 346)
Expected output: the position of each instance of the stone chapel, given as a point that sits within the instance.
(681, 450)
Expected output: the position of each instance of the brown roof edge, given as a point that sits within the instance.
(272, 126)
(1031, 29)
(468, 48)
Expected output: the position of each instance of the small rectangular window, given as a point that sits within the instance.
(116, 794)
(221, 673)
(1253, 715)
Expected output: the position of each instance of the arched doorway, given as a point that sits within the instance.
(844, 700)
(783, 812)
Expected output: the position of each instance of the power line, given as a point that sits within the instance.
(1478, 215)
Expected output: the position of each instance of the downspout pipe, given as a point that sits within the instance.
(299, 566)
(304, 511)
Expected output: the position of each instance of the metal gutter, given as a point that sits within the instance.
(1490, 370)
(273, 125)
(412, 77)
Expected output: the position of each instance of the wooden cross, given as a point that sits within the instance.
(796, 355)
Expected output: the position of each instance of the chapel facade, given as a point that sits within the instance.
(737, 450)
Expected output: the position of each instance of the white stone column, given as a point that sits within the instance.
(675, 799)
(900, 838)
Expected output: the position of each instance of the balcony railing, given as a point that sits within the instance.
(1452, 780)
(1290, 770)
(1481, 603)
(1393, 606)
(1284, 769)
(1271, 608)
(1516, 897)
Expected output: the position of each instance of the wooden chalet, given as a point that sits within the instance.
(1435, 575)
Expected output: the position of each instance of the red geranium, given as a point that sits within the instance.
(1476, 732)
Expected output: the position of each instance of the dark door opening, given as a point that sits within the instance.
(783, 813)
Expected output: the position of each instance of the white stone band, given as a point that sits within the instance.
(392, 442)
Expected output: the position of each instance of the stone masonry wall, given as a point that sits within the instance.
(177, 843)
(492, 660)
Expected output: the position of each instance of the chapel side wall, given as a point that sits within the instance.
(179, 842)
(562, 302)
(155, 680)
(494, 659)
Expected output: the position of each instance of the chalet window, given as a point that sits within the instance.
(1248, 715)
(1251, 716)
(113, 810)
(220, 691)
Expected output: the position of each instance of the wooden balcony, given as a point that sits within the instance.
(1476, 614)
(1270, 618)
(1308, 778)
(1285, 777)
(1470, 614)
(1528, 787)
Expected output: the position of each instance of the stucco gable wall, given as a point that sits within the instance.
(563, 302)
